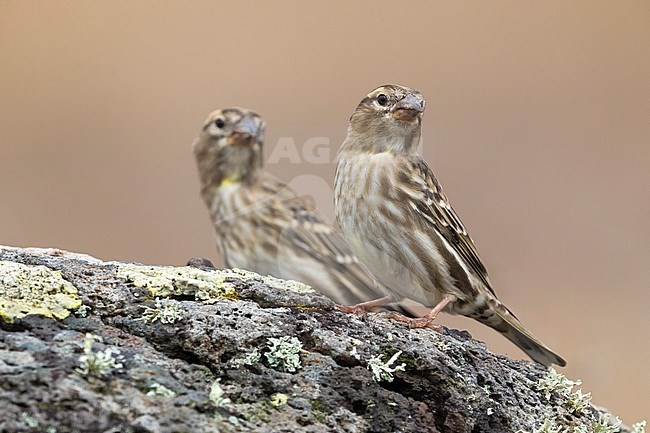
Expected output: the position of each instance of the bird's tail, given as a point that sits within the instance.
(507, 324)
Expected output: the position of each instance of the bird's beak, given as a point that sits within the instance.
(243, 132)
(407, 109)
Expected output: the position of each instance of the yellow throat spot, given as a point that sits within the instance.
(230, 180)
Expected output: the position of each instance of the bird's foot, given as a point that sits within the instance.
(358, 309)
(364, 307)
(417, 322)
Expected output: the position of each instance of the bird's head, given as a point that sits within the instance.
(229, 148)
(388, 119)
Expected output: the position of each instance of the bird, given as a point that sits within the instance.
(398, 221)
(261, 224)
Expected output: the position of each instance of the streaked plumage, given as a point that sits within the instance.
(260, 223)
(399, 223)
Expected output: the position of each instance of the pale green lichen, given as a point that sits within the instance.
(98, 364)
(283, 353)
(355, 343)
(382, 370)
(166, 311)
(156, 389)
(579, 402)
(640, 426)
(251, 358)
(82, 311)
(353, 353)
(232, 419)
(555, 382)
(279, 399)
(29, 420)
(34, 290)
(33, 423)
(548, 426)
(217, 395)
(605, 424)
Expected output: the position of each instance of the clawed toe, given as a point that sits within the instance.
(352, 309)
(398, 317)
(418, 322)
(364, 307)
(426, 322)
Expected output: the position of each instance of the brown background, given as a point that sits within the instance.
(537, 123)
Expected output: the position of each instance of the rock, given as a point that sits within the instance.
(145, 351)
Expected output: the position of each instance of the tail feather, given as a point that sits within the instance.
(507, 324)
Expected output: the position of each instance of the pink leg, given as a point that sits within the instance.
(364, 306)
(425, 321)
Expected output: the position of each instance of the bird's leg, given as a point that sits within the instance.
(421, 322)
(363, 307)
(425, 321)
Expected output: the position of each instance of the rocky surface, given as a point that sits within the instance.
(183, 350)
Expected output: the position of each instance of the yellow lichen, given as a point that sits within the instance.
(165, 281)
(34, 290)
(206, 286)
(278, 399)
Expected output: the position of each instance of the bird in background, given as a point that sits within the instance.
(400, 224)
(260, 222)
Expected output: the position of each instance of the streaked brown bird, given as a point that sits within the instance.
(399, 223)
(260, 223)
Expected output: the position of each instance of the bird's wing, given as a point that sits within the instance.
(308, 236)
(435, 208)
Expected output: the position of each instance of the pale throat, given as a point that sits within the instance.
(240, 166)
(400, 141)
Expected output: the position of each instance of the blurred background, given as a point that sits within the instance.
(537, 125)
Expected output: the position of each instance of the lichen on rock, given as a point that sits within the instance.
(275, 283)
(205, 286)
(260, 355)
(165, 281)
(28, 289)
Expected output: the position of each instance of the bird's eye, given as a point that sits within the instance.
(382, 99)
(219, 123)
